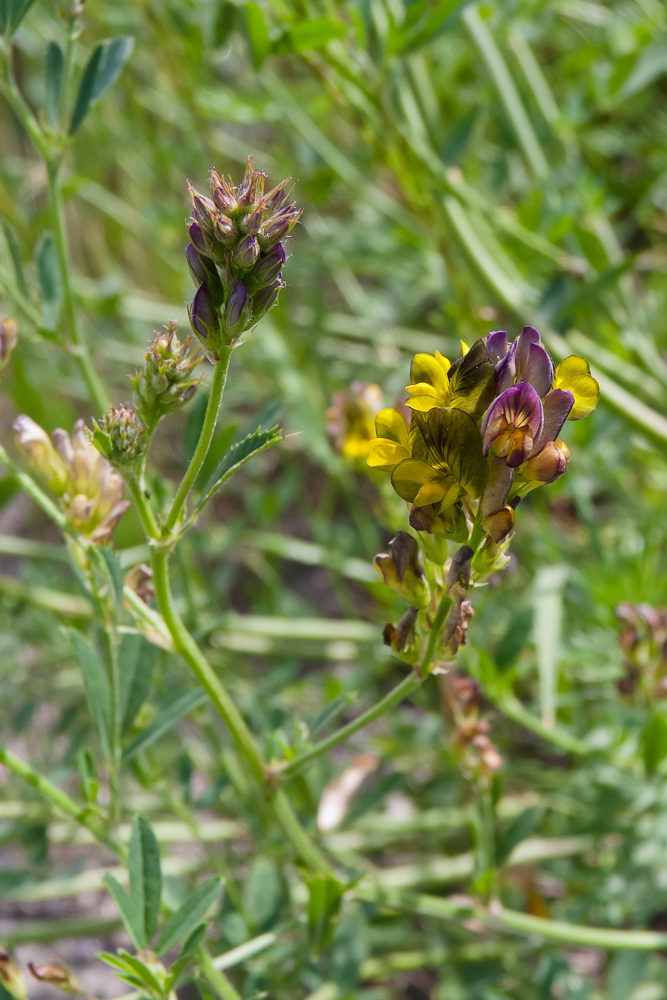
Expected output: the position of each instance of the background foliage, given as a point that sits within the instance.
(462, 168)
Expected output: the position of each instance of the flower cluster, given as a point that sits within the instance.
(236, 255)
(166, 382)
(89, 489)
(473, 438)
(351, 420)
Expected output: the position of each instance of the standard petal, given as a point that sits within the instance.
(528, 336)
(496, 345)
(455, 447)
(432, 369)
(574, 374)
(539, 369)
(391, 424)
(506, 370)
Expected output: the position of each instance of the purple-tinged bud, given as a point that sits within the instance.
(277, 196)
(121, 437)
(222, 192)
(196, 236)
(203, 316)
(400, 568)
(246, 253)
(548, 466)
(251, 188)
(270, 265)
(198, 272)
(252, 223)
(202, 208)
(512, 423)
(225, 230)
(236, 314)
(280, 225)
(265, 298)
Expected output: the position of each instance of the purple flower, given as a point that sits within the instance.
(235, 316)
(269, 266)
(556, 406)
(246, 252)
(265, 298)
(203, 316)
(197, 236)
(524, 360)
(512, 423)
(198, 272)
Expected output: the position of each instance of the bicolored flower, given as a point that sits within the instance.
(468, 384)
(513, 423)
(574, 375)
(524, 360)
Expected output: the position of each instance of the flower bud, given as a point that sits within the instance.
(265, 299)
(236, 314)
(252, 222)
(36, 445)
(198, 272)
(121, 437)
(402, 636)
(222, 192)
(400, 568)
(276, 197)
(225, 230)
(204, 318)
(498, 525)
(11, 976)
(165, 383)
(197, 236)
(251, 188)
(246, 253)
(9, 335)
(203, 209)
(140, 580)
(269, 265)
(279, 226)
(549, 465)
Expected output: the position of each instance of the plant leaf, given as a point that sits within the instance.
(96, 683)
(137, 658)
(84, 97)
(330, 712)
(258, 34)
(55, 65)
(115, 53)
(238, 455)
(128, 909)
(185, 919)
(145, 876)
(654, 742)
(14, 247)
(325, 894)
(178, 706)
(116, 574)
(520, 828)
(306, 35)
(263, 890)
(50, 281)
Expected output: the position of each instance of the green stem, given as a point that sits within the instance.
(205, 438)
(403, 690)
(436, 629)
(297, 835)
(138, 492)
(216, 979)
(513, 709)
(79, 347)
(59, 799)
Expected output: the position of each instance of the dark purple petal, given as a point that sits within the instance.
(512, 423)
(496, 345)
(528, 336)
(247, 252)
(506, 370)
(197, 270)
(556, 405)
(538, 369)
(202, 312)
(197, 237)
(265, 298)
(270, 265)
(236, 303)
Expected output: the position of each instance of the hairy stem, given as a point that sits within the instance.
(205, 438)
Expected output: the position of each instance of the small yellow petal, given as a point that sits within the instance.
(431, 493)
(464, 348)
(386, 455)
(574, 375)
(432, 370)
(391, 424)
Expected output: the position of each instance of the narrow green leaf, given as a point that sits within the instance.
(90, 782)
(186, 918)
(143, 973)
(116, 574)
(263, 890)
(654, 742)
(237, 456)
(330, 712)
(325, 894)
(137, 658)
(84, 98)
(17, 10)
(416, 35)
(4, 15)
(145, 876)
(115, 53)
(127, 907)
(348, 949)
(178, 706)
(14, 247)
(258, 34)
(520, 828)
(305, 35)
(515, 638)
(187, 953)
(55, 65)
(96, 683)
(50, 281)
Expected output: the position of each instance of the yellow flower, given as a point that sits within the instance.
(431, 387)
(350, 420)
(392, 444)
(574, 375)
(468, 384)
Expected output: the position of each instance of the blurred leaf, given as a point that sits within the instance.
(14, 247)
(263, 891)
(324, 898)
(330, 712)
(90, 781)
(626, 974)
(226, 21)
(348, 949)
(50, 282)
(180, 704)
(548, 602)
(515, 638)
(520, 828)
(421, 28)
(116, 574)
(102, 70)
(128, 908)
(193, 425)
(654, 742)
(371, 797)
(55, 65)
(305, 35)
(12, 13)
(185, 919)
(145, 877)
(258, 34)
(137, 658)
(96, 683)
(187, 952)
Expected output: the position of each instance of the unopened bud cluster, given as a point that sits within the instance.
(89, 489)
(166, 381)
(121, 436)
(236, 255)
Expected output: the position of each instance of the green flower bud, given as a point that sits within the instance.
(166, 383)
(121, 437)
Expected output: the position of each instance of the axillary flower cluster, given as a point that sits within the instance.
(471, 440)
